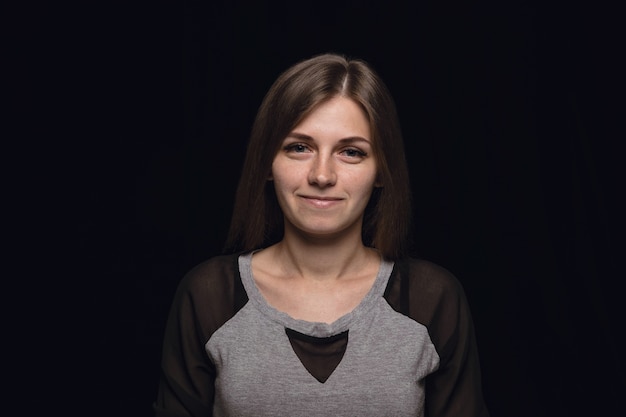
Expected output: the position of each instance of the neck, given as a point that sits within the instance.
(321, 259)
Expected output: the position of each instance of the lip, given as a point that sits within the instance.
(321, 202)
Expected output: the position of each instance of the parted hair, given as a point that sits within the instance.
(257, 219)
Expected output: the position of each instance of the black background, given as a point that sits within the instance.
(511, 115)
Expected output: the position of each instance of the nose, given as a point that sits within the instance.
(322, 172)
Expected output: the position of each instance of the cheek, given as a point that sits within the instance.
(279, 186)
(284, 180)
(363, 181)
(284, 188)
(287, 174)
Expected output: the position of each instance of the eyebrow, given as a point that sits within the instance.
(349, 139)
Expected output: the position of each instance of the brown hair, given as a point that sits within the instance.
(257, 219)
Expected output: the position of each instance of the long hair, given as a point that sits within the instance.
(257, 219)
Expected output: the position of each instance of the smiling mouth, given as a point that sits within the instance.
(321, 202)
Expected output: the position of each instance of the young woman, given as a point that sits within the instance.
(317, 309)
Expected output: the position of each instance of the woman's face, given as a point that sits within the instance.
(325, 170)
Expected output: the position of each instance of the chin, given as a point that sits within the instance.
(323, 230)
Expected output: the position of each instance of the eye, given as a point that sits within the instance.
(353, 153)
(296, 148)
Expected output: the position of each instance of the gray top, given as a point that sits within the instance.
(408, 349)
(381, 373)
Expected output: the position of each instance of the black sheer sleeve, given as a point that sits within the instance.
(432, 296)
(207, 297)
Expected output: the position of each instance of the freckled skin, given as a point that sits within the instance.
(325, 171)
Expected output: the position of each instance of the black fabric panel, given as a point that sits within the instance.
(207, 297)
(319, 355)
(432, 296)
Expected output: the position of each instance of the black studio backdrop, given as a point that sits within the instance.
(507, 113)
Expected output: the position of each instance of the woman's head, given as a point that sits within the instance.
(257, 218)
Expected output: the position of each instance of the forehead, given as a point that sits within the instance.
(338, 115)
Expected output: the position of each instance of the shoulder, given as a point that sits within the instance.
(211, 293)
(215, 277)
(212, 270)
(425, 291)
(427, 276)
